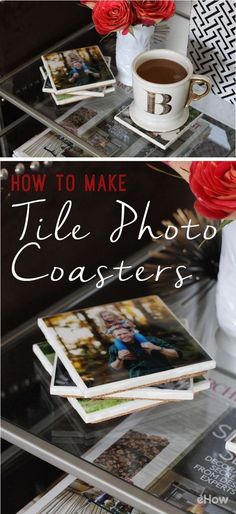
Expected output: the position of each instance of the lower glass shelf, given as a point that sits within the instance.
(154, 460)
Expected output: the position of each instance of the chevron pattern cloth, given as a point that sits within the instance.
(212, 44)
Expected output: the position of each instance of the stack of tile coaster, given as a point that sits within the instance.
(115, 359)
(73, 75)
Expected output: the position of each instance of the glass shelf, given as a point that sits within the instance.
(48, 427)
(88, 128)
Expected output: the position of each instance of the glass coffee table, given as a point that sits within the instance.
(88, 129)
(49, 428)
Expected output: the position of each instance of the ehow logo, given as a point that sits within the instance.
(212, 500)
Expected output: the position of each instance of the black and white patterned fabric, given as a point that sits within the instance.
(212, 44)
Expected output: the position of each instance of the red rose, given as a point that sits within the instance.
(214, 185)
(153, 10)
(109, 16)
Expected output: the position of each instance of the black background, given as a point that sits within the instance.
(96, 212)
(27, 28)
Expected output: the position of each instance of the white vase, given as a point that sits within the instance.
(226, 301)
(128, 47)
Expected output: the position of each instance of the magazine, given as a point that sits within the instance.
(182, 484)
(62, 383)
(41, 500)
(207, 471)
(95, 410)
(163, 140)
(128, 344)
(49, 144)
(73, 496)
(107, 135)
(77, 69)
(88, 120)
(178, 452)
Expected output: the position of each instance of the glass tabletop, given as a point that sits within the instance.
(144, 451)
(88, 128)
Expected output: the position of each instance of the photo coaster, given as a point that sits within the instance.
(77, 69)
(94, 410)
(101, 409)
(63, 385)
(161, 139)
(74, 96)
(159, 348)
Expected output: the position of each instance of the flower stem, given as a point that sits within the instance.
(164, 172)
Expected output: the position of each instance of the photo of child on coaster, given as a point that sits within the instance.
(78, 67)
(124, 340)
(130, 346)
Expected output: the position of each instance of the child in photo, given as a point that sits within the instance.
(112, 321)
(138, 361)
(79, 68)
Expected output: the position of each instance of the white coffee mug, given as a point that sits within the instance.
(164, 107)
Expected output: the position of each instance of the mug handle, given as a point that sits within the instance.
(202, 80)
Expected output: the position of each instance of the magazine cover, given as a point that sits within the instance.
(81, 121)
(93, 121)
(49, 144)
(206, 471)
(178, 452)
(91, 344)
(74, 496)
(80, 68)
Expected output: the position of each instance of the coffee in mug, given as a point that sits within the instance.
(162, 71)
(163, 86)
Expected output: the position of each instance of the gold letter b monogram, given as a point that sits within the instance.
(151, 103)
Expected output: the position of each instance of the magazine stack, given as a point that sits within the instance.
(74, 75)
(115, 359)
(185, 467)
